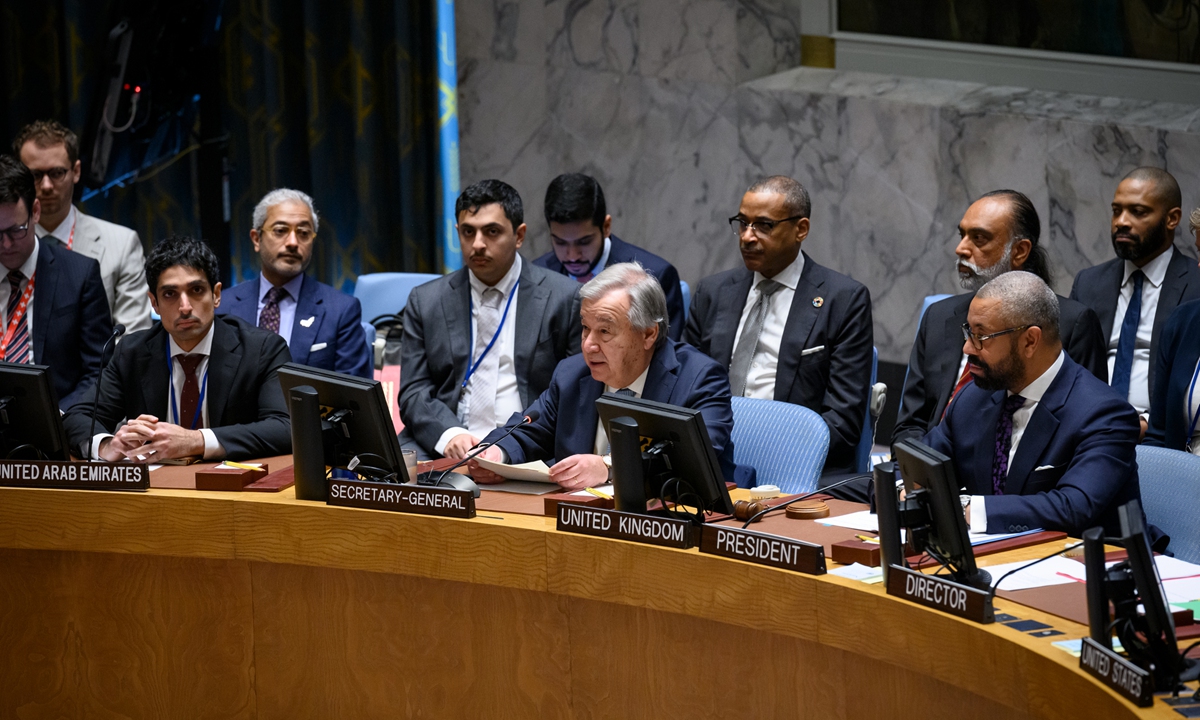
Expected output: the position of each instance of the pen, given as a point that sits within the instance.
(597, 493)
(242, 466)
(867, 538)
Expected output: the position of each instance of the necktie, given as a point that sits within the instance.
(1004, 442)
(1123, 367)
(739, 368)
(625, 392)
(268, 319)
(962, 383)
(486, 377)
(18, 347)
(602, 446)
(585, 278)
(189, 399)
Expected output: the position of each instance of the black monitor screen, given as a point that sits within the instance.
(30, 424)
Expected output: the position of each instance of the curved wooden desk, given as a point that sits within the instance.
(178, 604)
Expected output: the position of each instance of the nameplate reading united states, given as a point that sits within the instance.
(940, 594)
(420, 499)
(74, 475)
(647, 529)
(763, 549)
(1127, 679)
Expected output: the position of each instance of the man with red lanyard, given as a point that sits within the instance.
(52, 300)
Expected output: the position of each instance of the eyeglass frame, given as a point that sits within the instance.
(771, 225)
(22, 229)
(977, 340)
(39, 175)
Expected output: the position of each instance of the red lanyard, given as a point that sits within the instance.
(71, 237)
(15, 321)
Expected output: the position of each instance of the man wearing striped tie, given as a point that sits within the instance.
(53, 302)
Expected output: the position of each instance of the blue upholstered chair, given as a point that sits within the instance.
(687, 298)
(387, 293)
(1170, 482)
(786, 444)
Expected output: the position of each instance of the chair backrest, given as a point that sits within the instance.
(786, 444)
(687, 298)
(929, 300)
(1170, 481)
(387, 293)
(862, 453)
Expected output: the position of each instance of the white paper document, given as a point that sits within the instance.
(1055, 571)
(536, 471)
(857, 571)
(1182, 590)
(1170, 568)
(984, 538)
(523, 487)
(863, 520)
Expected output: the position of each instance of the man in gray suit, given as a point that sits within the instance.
(482, 343)
(51, 151)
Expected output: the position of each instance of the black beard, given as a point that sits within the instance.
(1142, 248)
(1001, 376)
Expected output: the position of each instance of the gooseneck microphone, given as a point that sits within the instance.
(118, 331)
(429, 480)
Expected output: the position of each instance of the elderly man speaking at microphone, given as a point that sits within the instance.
(626, 351)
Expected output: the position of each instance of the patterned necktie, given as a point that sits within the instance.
(1123, 367)
(486, 377)
(18, 347)
(189, 399)
(1004, 431)
(743, 354)
(268, 319)
(958, 386)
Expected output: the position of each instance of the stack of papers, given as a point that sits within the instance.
(1057, 570)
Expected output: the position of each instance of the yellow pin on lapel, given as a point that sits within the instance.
(818, 301)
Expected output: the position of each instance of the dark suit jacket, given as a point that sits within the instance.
(71, 320)
(666, 273)
(833, 382)
(1077, 461)
(437, 339)
(337, 319)
(1178, 350)
(567, 416)
(937, 352)
(246, 408)
(1099, 287)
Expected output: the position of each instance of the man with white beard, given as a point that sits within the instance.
(998, 233)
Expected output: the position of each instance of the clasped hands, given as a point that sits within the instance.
(146, 438)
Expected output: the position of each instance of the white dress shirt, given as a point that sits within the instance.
(601, 263)
(760, 382)
(508, 396)
(66, 227)
(1032, 393)
(1192, 409)
(1139, 376)
(602, 447)
(28, 268)
(287, 304)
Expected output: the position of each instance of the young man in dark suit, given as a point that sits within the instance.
(52, 305)
(583, 244)
(787, 328)
(322, 326)
(193, 385)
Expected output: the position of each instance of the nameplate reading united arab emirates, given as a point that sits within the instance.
(74, 475)
(647, 529)
(1127, 679)
(420, 499)
(940, 594)
(763, 549)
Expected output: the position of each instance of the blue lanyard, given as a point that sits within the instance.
(171, 390)
(1194, 415)
(471, 346)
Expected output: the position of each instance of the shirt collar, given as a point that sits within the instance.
(29, 267)
(1155, 270)
(292, 286)
(204, 347)
(65, 226)
(789, 277)
(506, 283)
(601, 263)
(1034, 391)
(636, 386)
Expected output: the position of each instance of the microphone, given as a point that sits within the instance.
(759, 515)
(118, 331)
(531, 417)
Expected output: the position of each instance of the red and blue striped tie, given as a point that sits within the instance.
(18, 346)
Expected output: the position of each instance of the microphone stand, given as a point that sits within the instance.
(117, 332)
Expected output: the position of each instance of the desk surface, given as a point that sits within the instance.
(176, 603)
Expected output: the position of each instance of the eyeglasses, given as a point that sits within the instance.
(56, 174)
(16, 232)
(280, 232)
(977, 340)
(762, 228)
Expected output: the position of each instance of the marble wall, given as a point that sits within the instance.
(676, 106)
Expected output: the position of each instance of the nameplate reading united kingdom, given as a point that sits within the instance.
(1127, 679)
(419, 499)
(940, 594)
(763, 549)
(74, 475)
(584, 520)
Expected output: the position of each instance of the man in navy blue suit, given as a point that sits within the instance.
(625, 349)
(321, 325)
(1037, 440)
(583, 244)
(52, 303)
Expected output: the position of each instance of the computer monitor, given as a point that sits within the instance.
(929, 479)
(661, 452)
(30, 424)
(356, 420)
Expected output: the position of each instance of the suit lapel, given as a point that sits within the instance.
(223, 365)
(151, 367)
(308, 305)
(801, 317)
(949, 358)
(1043, 424)
(662, 375)
(589, 392)
(456, 315)
(45, 290)
(1172, 290)
(243, 301)
(1110, 292)
(988, 417)
(731, 299)
(531, 301)
(87, 237)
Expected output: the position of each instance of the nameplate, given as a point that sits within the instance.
(763, 549)
(74, 475)
(419, 499)
(940, 594)
(1127, 679)
(647, 529)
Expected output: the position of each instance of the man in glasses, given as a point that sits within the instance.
(1037, 440)
(51, 151)
(785, 327)
(998, 233)
(321, 325)
(51, 301)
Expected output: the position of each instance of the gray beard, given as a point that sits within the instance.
(981, 276)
